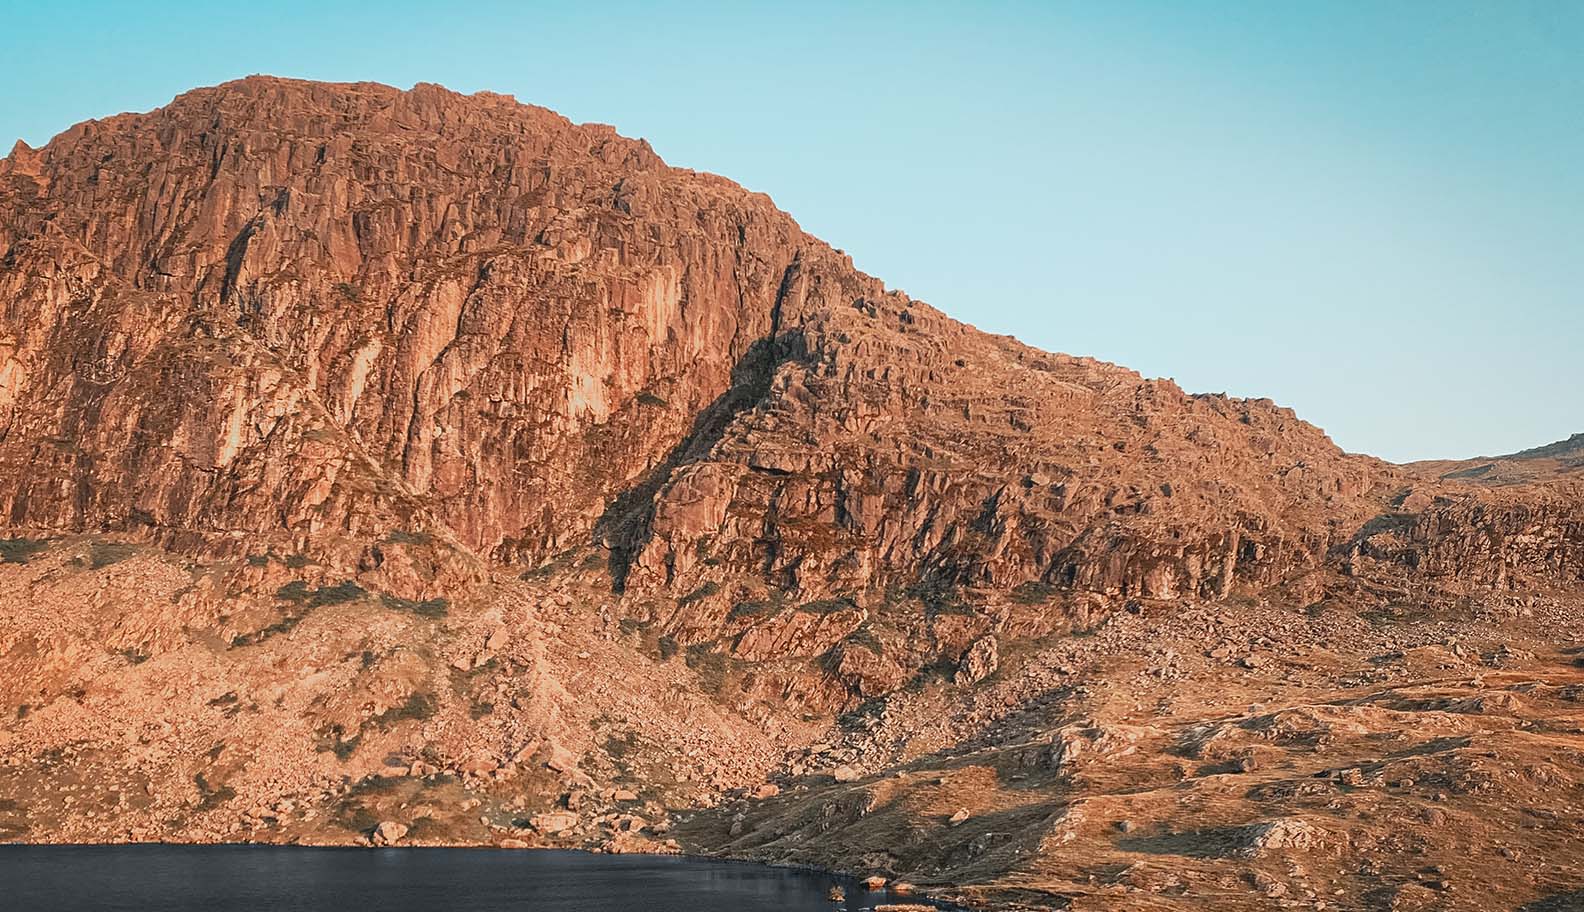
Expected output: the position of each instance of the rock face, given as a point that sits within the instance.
(1474, 540)
(324, 314)
(349, 309)
(435, 455)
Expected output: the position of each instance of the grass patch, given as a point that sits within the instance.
(372, 785)
(1403, 614)
(306, 600)
(13, 829)
(294, 591)
(941, 599)
(334, 740)
(865, 636)
(1034, 593)
(340, 593)
(697, 595)
(417, 707)
(350, 814)
(713, 668)
(21, 550)
(620, 746)
(210, 797)
(403, 537)
(753, 608)
(425, 827)
(461, 680)
(103, 554)
(284, 625)
(828, 606)
(549, 568)
(430, 608)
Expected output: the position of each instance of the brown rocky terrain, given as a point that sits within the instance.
(406, 466)
(1563, 459)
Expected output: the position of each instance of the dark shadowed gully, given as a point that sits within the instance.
(403, 468)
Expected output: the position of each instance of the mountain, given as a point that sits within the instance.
(408, 457)
(1565, 458)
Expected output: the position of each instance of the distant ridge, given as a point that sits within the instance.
(1574, 444)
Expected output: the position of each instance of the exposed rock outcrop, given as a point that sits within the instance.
(330, 315)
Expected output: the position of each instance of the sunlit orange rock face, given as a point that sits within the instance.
(284, 307)
(426, 342)
(295, 309)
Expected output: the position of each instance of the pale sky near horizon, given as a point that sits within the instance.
(1370, 212)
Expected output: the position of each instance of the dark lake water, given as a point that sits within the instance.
(299, 879)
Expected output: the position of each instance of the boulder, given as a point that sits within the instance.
(554, 823)
(978, 662)
(388, 833)
(1281, 834)
(560, 760)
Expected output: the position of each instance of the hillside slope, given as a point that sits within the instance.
(1562, 459)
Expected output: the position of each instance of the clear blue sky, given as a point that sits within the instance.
(1370, 211)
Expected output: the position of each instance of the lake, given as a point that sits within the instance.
(172, 878)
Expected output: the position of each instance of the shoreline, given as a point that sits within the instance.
(921, 896)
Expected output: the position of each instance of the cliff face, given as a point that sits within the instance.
(290, 309)
(1475, 542)
(278, 307)
(335, 315)
(351, 355)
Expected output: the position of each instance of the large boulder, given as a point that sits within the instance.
(388, 833)
(979, 662)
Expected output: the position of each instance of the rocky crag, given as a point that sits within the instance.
(379, 457)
